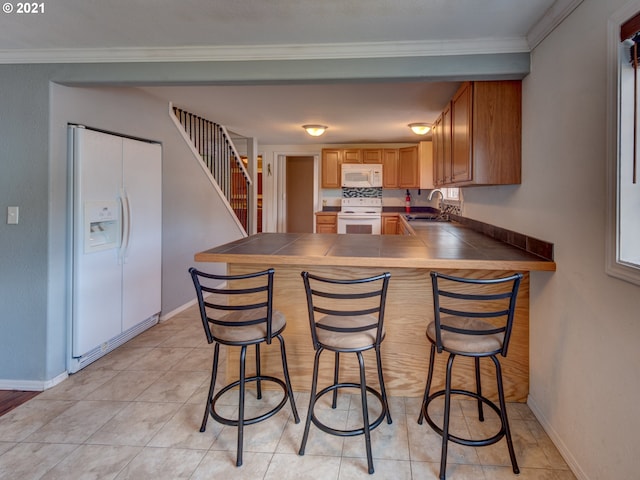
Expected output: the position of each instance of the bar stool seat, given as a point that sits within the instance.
(472, 318)
(350, 320)
(237, 311)
(236, 331)
(465, 343)
(345, 339)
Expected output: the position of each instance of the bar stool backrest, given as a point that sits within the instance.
(252, 300)
(492, 300)
(346, 298)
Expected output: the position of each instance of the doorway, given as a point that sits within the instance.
(299, 194)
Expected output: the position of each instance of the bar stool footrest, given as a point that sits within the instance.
(466, 441)
(248, 421)
(354, 432)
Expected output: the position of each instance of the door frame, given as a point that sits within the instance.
(281, 186)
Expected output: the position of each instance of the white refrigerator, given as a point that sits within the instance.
(116, 208)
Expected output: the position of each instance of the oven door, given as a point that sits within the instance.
(354, 223)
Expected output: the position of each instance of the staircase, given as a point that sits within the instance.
(221, 158)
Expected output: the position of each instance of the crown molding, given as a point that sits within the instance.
(265, 52)
(553, 17)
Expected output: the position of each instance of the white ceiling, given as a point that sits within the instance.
(81, 31)
(354, 112)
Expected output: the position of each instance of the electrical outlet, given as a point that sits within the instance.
(12, 215)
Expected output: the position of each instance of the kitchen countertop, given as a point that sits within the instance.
(445, 245)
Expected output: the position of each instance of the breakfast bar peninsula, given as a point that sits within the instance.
(447, 247)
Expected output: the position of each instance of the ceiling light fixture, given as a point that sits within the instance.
(420, 128)
(315, 130)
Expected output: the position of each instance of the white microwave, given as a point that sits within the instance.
(362, 175)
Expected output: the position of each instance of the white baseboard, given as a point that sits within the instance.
(32, 385)
(557, 441)
(182, 308)
(166, 316)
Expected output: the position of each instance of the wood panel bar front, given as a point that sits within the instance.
(405, 350)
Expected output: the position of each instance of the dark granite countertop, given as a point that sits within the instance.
(432, 245)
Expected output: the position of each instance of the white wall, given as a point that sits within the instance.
(24, 182)
(585, 328)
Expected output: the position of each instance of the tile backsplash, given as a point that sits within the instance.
(351, 192)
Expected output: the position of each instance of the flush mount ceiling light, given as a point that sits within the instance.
(420, 128)
(315, 130)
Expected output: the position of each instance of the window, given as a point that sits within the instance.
(451, 194)
(623, 242)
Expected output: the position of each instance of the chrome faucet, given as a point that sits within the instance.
(433, 192)
(442, 215)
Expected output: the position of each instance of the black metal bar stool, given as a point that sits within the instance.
(351, 321)
(238, 312)
(472, 318)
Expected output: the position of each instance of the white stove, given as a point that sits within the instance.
(360, 215)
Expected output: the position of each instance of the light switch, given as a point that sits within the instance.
(12, 215)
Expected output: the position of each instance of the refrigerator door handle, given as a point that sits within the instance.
(126, 225)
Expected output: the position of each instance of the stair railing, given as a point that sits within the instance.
(219, 154)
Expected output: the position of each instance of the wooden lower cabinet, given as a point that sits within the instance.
(403, 228)
(390, 224)
(326, 222)
(395, 224)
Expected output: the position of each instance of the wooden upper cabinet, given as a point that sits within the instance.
(352, 156)
(401, 167)
(331, 168)
(486, 130)
(372, 155)
(497, 132)
(436, 136)
(390, 168)
(461, 124)
(447, 141)
(425, 154)
(408, 167)
(442, 148)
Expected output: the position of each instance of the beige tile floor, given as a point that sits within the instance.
(135, 414)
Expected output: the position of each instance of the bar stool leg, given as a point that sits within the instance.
(287, 379)
(258, 382)
(503, 415)
(447, 413)
(212, 386)
(243, 358)
(336, 369)
(428, 387)
(312, 401)
(382, 389)
(365, 412)
(479, 389)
